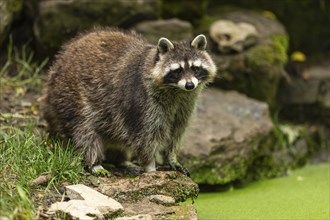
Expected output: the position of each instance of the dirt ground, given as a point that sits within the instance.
(20, 107)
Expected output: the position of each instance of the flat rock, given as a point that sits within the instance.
(161, 199)
(157, 211)
(224, 134)
(86, 193)
(77, 209)
(86, 203)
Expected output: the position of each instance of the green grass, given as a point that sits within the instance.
(25, 151)
(25, 155)
(20, 70)
(302, 195)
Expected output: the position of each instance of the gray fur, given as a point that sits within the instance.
(107, 87)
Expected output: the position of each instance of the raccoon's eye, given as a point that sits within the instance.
(196, 69)
(173, 76)
(200, 72)
(176, 73)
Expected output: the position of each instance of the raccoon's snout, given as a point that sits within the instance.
(188, 85)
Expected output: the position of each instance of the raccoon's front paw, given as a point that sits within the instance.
(178, 167)
(98, 170)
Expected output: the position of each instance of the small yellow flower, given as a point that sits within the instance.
(298, 56)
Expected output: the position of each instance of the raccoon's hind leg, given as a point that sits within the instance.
(150, 166)
(92, 147)
(146, 157)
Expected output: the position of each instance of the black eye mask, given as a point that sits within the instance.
(200, 72)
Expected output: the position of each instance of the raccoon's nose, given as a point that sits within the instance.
(189, 86)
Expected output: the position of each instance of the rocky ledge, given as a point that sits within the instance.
(153, 195)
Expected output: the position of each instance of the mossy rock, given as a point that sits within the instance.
(173, 29)
(9, 11)
(237, 142)
(58, 21)
(168, 183)
(265, 56)
(185, 9)
(257, 70)
(227, 130)
(219, 169)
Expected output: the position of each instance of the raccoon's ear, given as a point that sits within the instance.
(164, 45)
(199, 42)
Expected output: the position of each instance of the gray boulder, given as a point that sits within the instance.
(224, 136)
(9, 10)
(173, 29)
(256, 71)
(58, 21)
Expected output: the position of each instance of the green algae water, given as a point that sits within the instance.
(304, 194)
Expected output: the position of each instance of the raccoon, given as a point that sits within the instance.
(110, 87)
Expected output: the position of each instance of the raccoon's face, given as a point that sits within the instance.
(184, 65)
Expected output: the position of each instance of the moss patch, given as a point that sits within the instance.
(281, 45)
(265, 63)
(222, 175)
(266, 55)
(257, 71)
(218, 169)
(302, 195)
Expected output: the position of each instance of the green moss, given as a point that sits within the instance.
(262, 70)
(266, 63)
(280, 44)
(302, 195)
(271, 156)
(15, 6)
(103, 172)
(267, 55)
(9, 11)
(206, 175)
(288, 147)
(216, 173)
